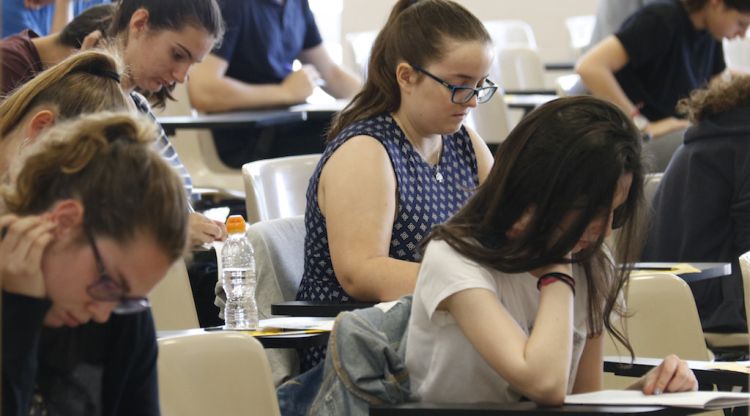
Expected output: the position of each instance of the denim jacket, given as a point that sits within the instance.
(364, 364)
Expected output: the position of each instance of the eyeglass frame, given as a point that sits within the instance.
(454, 88)
(126, 304)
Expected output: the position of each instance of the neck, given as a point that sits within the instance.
(51, 51)
(427, 145)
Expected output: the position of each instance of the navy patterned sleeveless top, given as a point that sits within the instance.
(427, 195)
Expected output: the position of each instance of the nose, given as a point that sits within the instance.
(473, 102)
(180, 73)
(100, 311)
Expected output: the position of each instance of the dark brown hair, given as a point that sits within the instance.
(416, 32)
(106, 161)
(566, 156)
(718, 97)
(97, 17)
(696, 5)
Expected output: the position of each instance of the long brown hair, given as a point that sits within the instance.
(107, 162)
(416, 32)
(86, 82)
(566, 156)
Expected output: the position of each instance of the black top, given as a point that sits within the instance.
(702, 212)
(94, 369)
(667, 58)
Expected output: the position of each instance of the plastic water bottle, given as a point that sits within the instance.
(238, 277)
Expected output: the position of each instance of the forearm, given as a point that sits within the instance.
(62, 15)
(601, 82)
(227, 94)
(341, 83)
(380, 279)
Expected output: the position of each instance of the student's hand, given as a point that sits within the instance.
(665, 126)
(93, 40)
(21, 254)
(672, 375)
(204, 230)
(300, 84)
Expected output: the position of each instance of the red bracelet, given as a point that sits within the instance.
(548, 278)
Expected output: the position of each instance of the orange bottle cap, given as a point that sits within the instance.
(235, 224)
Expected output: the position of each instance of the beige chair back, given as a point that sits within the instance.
(198, 153)
(580, 29)
(172, 301)
(511, 33)
(491, 120)
(356, 51)
(662, 319)
(216, 373)
(276, 188)
(518, 68)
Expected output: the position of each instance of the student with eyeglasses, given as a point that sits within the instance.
(516, 290)
(93, 219)
(399, 158)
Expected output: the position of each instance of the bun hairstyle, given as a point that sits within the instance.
(416, 32)
(86, 82)
(106, 161)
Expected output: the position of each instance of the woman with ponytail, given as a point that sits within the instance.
(94, 218)
(399, 158)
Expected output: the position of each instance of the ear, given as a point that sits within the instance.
(139, 22)
(519, 227)
(406, 76)
(68, 215)
(40, 121)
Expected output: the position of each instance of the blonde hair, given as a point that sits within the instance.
(83, 83)
(107, 162)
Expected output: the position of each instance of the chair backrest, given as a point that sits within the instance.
(198, 152)
(662, 319)
(216, 373)
(491, 120)
(172, 301)
(650, 185)
(745, 267)
(511, 33)
(357, 47)
(276, 188)
(518, 68)
(580, 29)
(570, 85)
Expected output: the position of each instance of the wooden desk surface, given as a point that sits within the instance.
(707, 270)
(272, 341)
(524, 408)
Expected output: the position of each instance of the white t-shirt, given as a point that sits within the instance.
(443, 365)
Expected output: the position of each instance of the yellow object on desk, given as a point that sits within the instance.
(678, 268)
(266, 332)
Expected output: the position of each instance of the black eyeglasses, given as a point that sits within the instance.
(462, 95)
(106, 289)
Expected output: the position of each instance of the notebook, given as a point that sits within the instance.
(693, 399)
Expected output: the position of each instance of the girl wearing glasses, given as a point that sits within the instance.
(398, 159)
(94, 220)
(526, 255)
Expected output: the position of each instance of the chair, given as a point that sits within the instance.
(172, 300)
(198, 153)
(279, 263)
(735, 340)
(518, 68)
(276, 188)
(570, 85)
(511, 33)
(491, 120)
(580, 29)
(356, 51)
(216, 373)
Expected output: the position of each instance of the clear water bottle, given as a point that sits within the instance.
(238, 277)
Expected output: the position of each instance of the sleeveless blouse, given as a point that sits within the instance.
(427, 195)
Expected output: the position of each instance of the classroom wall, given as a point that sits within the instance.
(547, 17)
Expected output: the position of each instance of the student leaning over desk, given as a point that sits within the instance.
(399, 158)
(526, 255)
(94, 219)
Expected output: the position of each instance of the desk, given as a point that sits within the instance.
(325, 310)
(523, 408)
(274, 341)
(254, 118)
(707, 270)
(559, 66)
(620, 366)
(528, 102)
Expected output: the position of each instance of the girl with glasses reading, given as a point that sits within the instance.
(399, 158)
(515, 291)
(94, 219)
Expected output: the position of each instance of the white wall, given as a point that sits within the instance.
(547, 17)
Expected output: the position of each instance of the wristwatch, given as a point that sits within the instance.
(640, 121)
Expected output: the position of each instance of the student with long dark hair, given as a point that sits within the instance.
(516, 290)
(399, 158)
